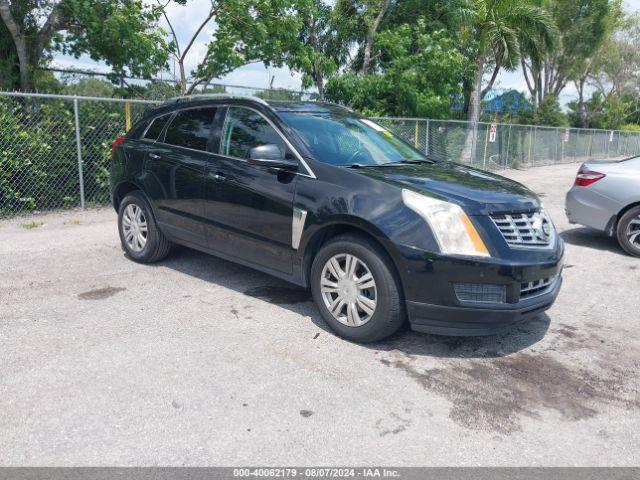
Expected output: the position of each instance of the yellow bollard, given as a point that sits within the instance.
(127, 116)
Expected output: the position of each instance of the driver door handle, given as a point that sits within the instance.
(154, 156)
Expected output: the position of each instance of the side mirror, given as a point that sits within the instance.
(271, 155)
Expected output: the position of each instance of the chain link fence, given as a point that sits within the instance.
(494, 146)
(54, 150)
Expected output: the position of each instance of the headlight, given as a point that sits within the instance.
(452, 227)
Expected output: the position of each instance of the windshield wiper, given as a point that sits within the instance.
(400, 163)
(362, 165)
(410, 162)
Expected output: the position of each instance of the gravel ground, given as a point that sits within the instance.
(197, 361)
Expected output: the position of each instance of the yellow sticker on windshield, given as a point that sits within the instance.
(373, 125)
(387, 133)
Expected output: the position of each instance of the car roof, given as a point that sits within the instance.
(201, 100)
(306, 106)
(277, 105)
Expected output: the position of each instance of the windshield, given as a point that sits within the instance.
(343, 140)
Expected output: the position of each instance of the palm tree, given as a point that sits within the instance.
(496, 28)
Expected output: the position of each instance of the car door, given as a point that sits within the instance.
(175, 169)
(252, 204)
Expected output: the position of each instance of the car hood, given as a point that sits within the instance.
(479, 192)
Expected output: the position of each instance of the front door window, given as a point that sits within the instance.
(245, 129)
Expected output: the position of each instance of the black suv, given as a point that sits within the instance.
(324, 198)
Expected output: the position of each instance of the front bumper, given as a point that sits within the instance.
(434, 303)
(475, 320)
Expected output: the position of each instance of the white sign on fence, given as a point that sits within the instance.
(611, 136)
(566, 135)
(493, 132)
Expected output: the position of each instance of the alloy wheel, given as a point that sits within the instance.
(633, 232)
(134, 227)
(348, 290)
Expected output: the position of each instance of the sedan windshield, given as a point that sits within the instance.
(347, 141)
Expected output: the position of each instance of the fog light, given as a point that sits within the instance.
(480, 292)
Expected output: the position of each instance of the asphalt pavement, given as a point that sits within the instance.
(198, 361)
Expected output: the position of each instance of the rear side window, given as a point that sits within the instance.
(191, 128)
(245, 129)
(157, 124)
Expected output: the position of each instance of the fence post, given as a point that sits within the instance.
(79, 151)
(535, 141)
(506, 159)
(426, 140)
(486, 141)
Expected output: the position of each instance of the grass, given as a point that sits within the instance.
(32, 224)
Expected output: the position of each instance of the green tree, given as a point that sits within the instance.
(495, 29)
(548, 113)
(9, 72)
(122, 33)
(582, 26)
(419, 74)
(245, 31)
(320, 46)
(613, 75)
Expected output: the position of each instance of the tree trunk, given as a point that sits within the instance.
(581, 107)
(476, 94)
(183, 79)
(469, 150)
(26, 78)
(368, 46)
(320, 84)
(531, 84)
(20, 42)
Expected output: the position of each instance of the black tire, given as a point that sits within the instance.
(389, 314)
(621, 233)
(157, 246)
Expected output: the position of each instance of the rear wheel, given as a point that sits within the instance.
(140, 236)
(356, 289)
(628, 231)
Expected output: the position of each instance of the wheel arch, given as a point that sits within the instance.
(613, 223)
(327, 231)
(122, 189)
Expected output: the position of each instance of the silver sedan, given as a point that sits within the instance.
(606, 196)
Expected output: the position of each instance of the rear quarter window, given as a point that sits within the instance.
(156, 126)
(191, 128)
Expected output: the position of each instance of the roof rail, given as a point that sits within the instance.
(220, 96)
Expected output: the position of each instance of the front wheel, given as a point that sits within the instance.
(356, 289)
(628, 231)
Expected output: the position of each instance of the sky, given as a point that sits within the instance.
(186, 19)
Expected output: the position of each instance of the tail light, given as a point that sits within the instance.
(587, 177)
(116, 142)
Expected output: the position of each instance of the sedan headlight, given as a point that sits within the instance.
(452, 227)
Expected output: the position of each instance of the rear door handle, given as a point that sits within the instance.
(217, 176)
(154, 156)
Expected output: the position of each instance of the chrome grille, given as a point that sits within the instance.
(537, 287)
(532, 229)
(480, 292)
